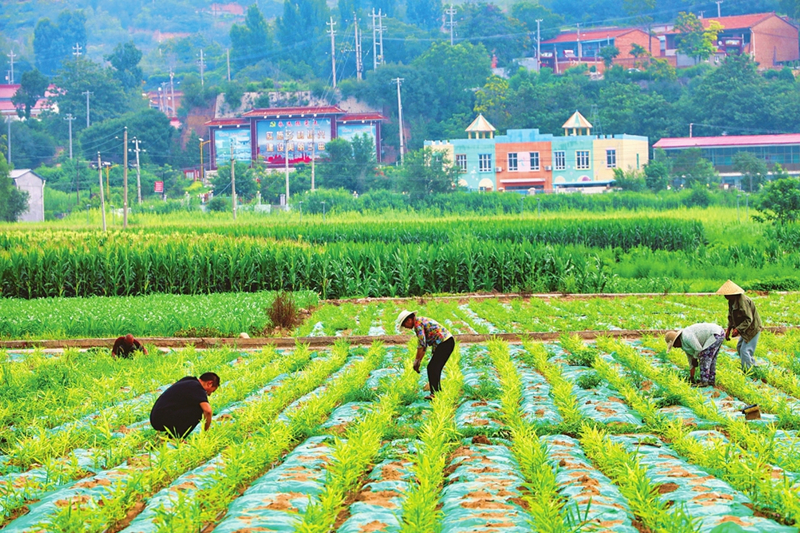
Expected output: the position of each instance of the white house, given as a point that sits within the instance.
(27, 180)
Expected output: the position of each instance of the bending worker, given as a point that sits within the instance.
(743, 322)
(701, 342)
(125, 346)
(179, 409)
(429, 333)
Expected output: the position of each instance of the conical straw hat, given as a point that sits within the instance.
(729, 288)
(670, 337)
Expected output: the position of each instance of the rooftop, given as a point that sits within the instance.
(724, 141)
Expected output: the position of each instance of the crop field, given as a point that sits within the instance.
(556, 436)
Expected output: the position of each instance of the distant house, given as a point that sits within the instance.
(30, 182)
(7, 109)
(769, 39)
(583, 47)
(783, 149)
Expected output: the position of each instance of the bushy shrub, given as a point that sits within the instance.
(282, 313)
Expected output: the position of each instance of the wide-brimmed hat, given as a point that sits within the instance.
(403, 315)
(670, 338)
(729, 288)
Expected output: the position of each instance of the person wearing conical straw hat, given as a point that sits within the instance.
(701, 343)
(429, 333)
(743, 322)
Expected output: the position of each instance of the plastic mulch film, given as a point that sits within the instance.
(537, 402)
(286, 414)
(600, 403)
(166, 499)
(478, 414)
(275, 501)
(482, 492)
(345, 414)
(378, 505)
(12, 486)
(591, 495)
(376, 376)
(711, 501)
(479, 374)
(491, 328)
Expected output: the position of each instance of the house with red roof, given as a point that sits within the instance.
(583, 47)
(769, 39)
(7, 109)
(783, 149)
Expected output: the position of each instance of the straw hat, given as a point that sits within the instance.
(670, 338)
(729, 288)
(403, 315)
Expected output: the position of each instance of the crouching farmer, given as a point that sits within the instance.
(179, 409)
(701, 342)
(429, 333)
(125, 346)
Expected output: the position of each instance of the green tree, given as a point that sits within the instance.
(753, 170)
(246, 185)
(690, 166)
(609, 53)
(506, 38)
(638, 51)
(13, 202)
(125, 59)
(251, 42)
(151, 127)
(428, 171)
(630, 180)
(424, 13)
(32, 146)
(779, 201)
(78, 76)
(656, 174)
(529, 12)
(32, 88)
(694, 40)
(53, 42)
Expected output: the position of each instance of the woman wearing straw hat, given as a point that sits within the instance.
(701, 342)
(743, 322)
(429, 333)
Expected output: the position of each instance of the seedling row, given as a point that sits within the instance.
(561, 436)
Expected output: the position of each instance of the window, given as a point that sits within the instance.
(534, 160)
(582, 159)
(611, 159)
(484, 162)
(560, 160)
(512, 162)
(461, 162)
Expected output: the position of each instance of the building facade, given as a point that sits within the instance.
(297, 134)
(528, 161)
(769, 39)
(573, 48)
(720, 151)
(30, 182)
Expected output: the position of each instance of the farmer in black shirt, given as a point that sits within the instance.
(179, 409)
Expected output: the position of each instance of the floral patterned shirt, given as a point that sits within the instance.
(429, 332)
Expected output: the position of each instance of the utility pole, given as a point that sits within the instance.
(286, 136)
(125, 179)
(102, 195)
(579, 40)
(136, 142)
(333, 59)
(233, 181)
(452, 11)
(69, 118)
(374, 42)
(172, 93)
(87, 93)
(11, 55)
(719, 9)
(359, 63)
(539, 43)
(313, 149)
(690, 129)
(76, 50)
(202, 64)
(8, 139)
(380, 37)
(228, 60)
(400, 118)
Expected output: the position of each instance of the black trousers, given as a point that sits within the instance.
(175, 428)
(439, 357)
